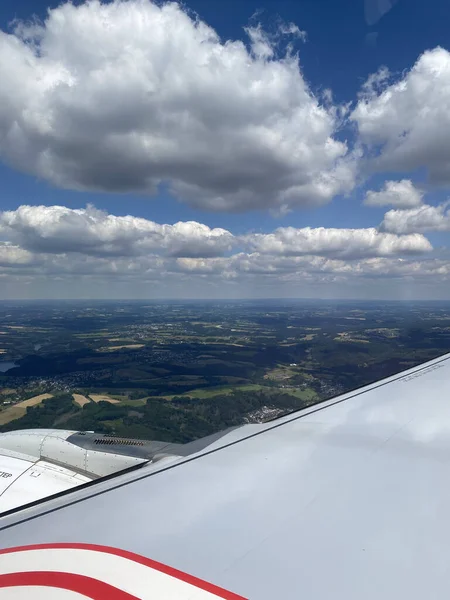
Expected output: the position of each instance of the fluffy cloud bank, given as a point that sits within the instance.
(421, 219)
(87, 251)
(61, 230)
(57, 229)
(125, 96)
(340, 243)
(405, 124)
(401, 194)
(313, 267)
(201, 276)
(243, 274)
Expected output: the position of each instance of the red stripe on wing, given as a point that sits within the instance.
(153, 564)
(87, 586)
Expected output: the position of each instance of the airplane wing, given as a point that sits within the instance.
(346, 499)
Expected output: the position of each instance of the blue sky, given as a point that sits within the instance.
(345, 42)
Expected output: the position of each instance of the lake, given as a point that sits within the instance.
(5, 365)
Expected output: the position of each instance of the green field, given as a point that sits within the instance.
(225, 389)
(307, 395)
(139, 402)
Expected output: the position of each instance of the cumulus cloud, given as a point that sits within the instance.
(61, 230)
(126, 96)
(421, 219)
(342, 243)
(405, 123)
(248, 267)
(57, 229)
(75, 252)
(401, 194)
(14, 256)
(244, 268)
(242, 274)
(255, 264)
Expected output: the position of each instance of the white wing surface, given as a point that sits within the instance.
(347, 499)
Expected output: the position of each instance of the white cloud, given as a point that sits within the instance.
(340, 243)
(239, 275)
(250, 267)
(14, 256)
(61, 230)
(401, 194)
(243, 267)
(261, 45)
(57, 229)
(125, 96)
(71, 253)
(66, 252)
(293, 29)
(405, 124)
(421, 219)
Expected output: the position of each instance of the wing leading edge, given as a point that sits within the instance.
(345, 499)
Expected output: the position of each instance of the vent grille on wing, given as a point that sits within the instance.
(117, 441)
